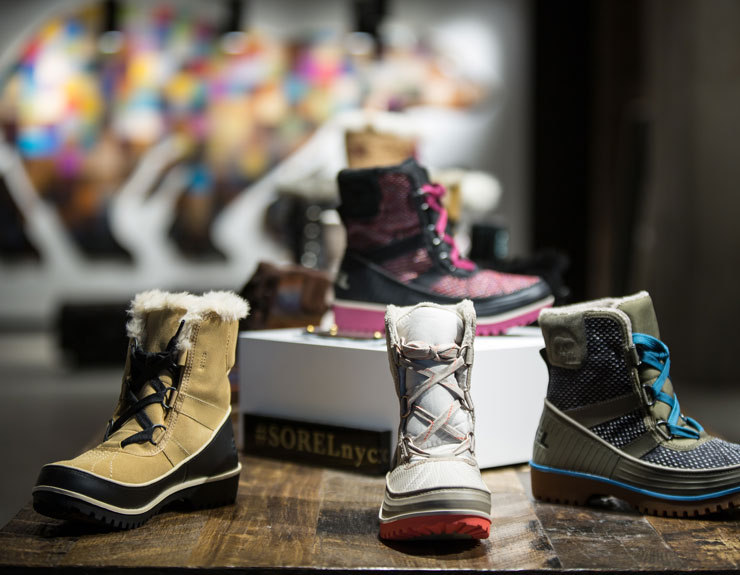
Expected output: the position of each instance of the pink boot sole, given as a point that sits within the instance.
(365, 319)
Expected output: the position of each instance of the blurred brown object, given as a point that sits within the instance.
(452, 200)
(368, 148)
(285, 296)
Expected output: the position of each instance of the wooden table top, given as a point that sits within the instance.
(291, 517)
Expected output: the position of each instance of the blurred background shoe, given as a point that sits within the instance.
(400, 251)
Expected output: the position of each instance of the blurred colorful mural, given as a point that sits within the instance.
(84, 104)
(142, 143)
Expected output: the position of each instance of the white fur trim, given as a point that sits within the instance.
(153, 300)
(225, 304)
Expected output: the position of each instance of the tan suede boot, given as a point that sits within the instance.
(170, 437)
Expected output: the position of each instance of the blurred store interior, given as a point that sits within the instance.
(178, 143)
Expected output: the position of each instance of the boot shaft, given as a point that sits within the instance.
(381, 205)
(395, 219)
(430, 350)
(182, 347)
(591, 353)
(610, 371)
(206, 342)
(589, 358)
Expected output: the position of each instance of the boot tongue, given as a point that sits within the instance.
(161, 326)
(642, 315)
(431, 325)
(416, 173)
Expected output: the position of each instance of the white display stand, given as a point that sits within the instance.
(293, 374)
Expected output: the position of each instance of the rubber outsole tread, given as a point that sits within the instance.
(437, 527)
(206, 496)
(658, 512)
(545, 488)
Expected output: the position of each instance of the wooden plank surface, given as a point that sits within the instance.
(297, 517)
(699, 543)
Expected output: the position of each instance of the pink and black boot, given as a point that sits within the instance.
(399, 252)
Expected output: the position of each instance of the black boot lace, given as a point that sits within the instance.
(146, 368)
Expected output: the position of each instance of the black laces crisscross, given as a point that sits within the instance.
(146, 368)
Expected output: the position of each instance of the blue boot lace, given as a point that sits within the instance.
(654, 353)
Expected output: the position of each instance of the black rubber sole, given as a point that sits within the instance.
(371, 284)
(206, 495)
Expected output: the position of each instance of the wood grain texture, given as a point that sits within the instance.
(293, 517)
(610, 535)
(701, 543)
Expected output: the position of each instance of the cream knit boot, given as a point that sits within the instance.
(435, 489)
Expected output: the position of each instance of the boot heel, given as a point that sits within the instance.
(559, 488)
(214, 494)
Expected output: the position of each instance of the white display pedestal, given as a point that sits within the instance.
(293, 374)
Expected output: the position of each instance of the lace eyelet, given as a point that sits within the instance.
(166, 397)
(153, 428)
(443, 255)
(647, 391)
(424, 206)
(436, 241)
(664, 432)
(405, 407)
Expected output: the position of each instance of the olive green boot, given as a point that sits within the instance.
(612, 426)
(170, 437)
